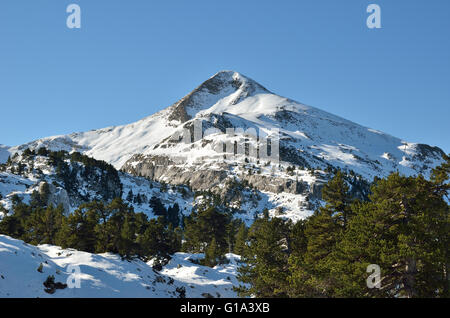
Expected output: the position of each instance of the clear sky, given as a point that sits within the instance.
(133, 58)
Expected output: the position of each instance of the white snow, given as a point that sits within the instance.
(337, 140)
(106, 275)
(319, 137)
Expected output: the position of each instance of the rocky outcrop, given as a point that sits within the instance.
(222, 81)
(56, 196)
(160, 168)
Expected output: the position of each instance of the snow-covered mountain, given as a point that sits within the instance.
(315, 135)
(24, 268)
(312, 143)
(180, 155)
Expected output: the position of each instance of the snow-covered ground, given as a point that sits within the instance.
(107, 275)
(200, 280)
(310, 137)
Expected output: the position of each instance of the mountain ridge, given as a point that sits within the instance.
(239, 100)
(159, 148)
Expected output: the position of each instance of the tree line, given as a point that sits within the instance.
(99, 227)
(403, 228)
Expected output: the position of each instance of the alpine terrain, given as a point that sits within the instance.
(230, 140)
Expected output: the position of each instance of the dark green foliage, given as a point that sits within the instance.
(51, 286)
(130, 196)
(336, 194)
(78, 229)
(173, 215)
(95, 227)
(265, 260)
(157, 206)
(240, 240)
(212, 254)
(159, 241)
(40, 199)
(34, 225)
(202, 227)
(403, 228)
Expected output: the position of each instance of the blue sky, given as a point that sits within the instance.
(133, 58)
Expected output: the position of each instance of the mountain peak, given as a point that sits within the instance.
(223, 84)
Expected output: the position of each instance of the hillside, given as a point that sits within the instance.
(107, 275)
(316, 136)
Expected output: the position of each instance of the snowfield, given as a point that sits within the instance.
(156, 156)
(107, 275)
(239, 100)
(309, 138)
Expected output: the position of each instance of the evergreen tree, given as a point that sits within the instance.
(157, 206)
(265, 261)
(310, 264)
(336, 195)
(127, 246)
(202, 226)
(241, 240)
(78, 230)
(173, 215)
(130, 196)
(159, 241)
(403, 229)
(212, 254)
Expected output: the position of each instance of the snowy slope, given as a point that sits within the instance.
(37, 169)
(201, 280)
(106, 275)
(319, 136)
(309, 138)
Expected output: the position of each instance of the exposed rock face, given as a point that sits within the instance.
(161, 168)
(212, 89)
(249, 141)
(56, 196)
(276, 185)
(316, 190)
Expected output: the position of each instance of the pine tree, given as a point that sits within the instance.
(336, 194)
(241, 240)
(126, 245)
(202, 226)
(78, 230)
(265, 262)
(159, 241)
(403, 229)
(173, 215)
(157, 206)
(130, 196)
(212, 254)
(310, 264)
(311, 260)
